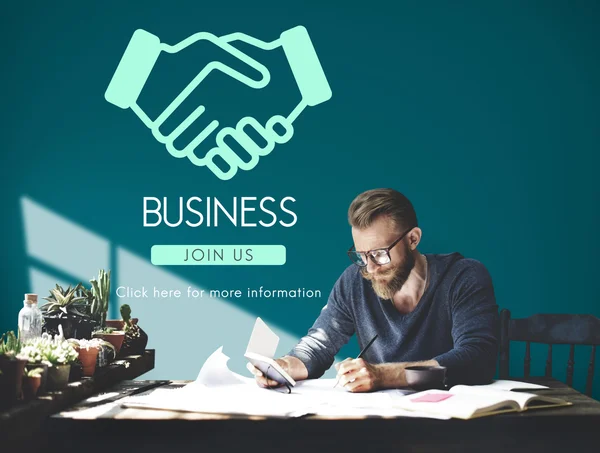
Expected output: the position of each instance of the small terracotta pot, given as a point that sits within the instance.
(58, 376)
(115, 338)
(43, 366)
(88, 357)
(31, 385)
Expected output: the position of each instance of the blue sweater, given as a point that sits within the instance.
(455, 322)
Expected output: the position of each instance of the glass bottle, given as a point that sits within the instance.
(30, 319)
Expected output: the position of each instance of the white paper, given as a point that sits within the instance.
(322, 390)
(333, 411)
(509, 385)
(232, 399)
(263, 340)
(460, 405)
(215, 373)
(219, 390)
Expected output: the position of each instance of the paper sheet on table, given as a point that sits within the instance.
(323, 390)
(234, 399)
(215, 373)
(333, 411)
(509, 385)
(219, 390)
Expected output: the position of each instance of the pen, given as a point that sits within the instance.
(360, 354)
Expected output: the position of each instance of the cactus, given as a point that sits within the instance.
(101, 292)
(135, 338)
(126, 315)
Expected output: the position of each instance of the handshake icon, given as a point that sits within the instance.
(139, 59)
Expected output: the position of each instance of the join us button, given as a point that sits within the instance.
(218, 255)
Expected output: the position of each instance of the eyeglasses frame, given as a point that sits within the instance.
(368, 253)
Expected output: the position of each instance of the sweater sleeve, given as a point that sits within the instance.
(332, 329)
(474, 328)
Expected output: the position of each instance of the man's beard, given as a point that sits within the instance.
(395, 277)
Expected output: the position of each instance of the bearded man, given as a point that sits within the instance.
(427, 309)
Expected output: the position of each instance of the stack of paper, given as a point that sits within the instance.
(219, 390)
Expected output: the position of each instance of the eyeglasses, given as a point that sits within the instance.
(378, 256)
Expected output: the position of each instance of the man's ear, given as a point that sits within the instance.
(414, 237)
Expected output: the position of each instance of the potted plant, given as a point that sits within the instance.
(69, 308)
(106, 353)
(88, 354)
(60, 354)
(12, 366)
(32, 352)
(136, 339)
(101, 292)
(32, 379)
(112, 335)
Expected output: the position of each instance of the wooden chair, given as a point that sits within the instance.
(550, 329)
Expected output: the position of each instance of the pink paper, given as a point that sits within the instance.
(432, 398)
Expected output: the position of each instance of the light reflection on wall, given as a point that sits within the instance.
(184, 332)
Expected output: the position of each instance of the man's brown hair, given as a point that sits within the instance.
(374, 203)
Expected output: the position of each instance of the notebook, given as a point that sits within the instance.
(466, 402)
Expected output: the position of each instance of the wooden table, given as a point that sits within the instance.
(570, 429)
(23, 424)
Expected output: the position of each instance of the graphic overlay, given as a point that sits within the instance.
(143, 51)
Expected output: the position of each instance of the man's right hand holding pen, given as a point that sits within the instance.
(354, 375)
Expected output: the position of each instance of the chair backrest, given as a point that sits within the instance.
(550, 329)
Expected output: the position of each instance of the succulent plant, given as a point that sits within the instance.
(103, 330)
(32, 351)
(35, 372)
(56, 350)
(65, 302)
(10, 345)
(87, 344)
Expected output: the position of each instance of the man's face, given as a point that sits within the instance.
(389, 278)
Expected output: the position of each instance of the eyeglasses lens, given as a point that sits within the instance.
(380, 257)
(357, 258)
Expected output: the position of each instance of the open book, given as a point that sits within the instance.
(465, 402)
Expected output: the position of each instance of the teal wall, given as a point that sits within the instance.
(486, 115)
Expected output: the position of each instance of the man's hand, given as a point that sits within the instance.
(356, 375)
(291, 365)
